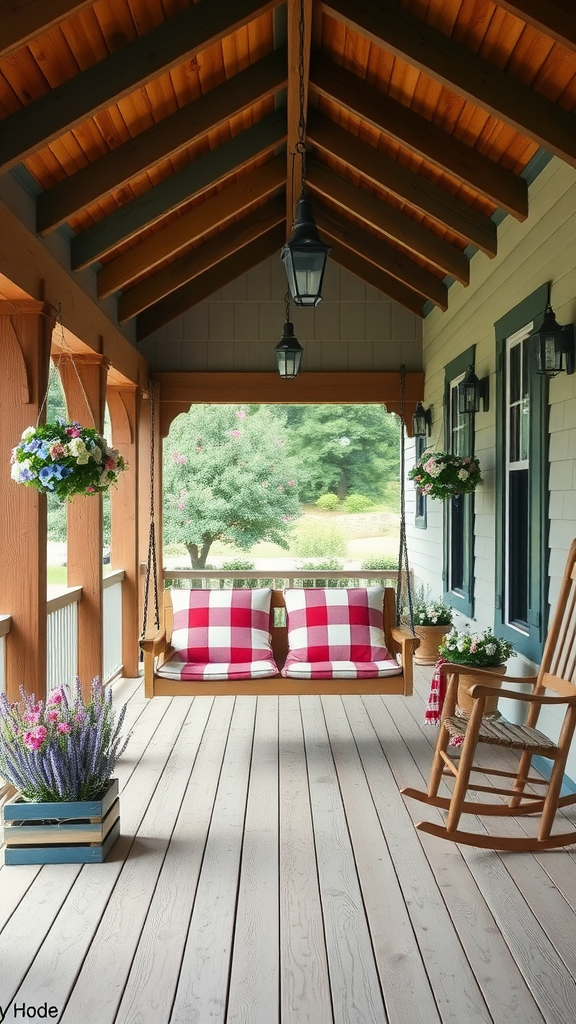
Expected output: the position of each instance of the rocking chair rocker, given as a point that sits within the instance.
(554, 685)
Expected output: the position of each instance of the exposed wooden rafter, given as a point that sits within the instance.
(211, 168)
(380, 169)
(229, 203)
(207, 283)
(21, 21)
(389, 221)
(382, 256)
(299, 14)
(557, 20)
(198, 260)
(463, 71)
(419, 135)
(188, 125)
(132, 66)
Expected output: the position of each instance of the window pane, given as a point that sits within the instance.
(514, 436)
(518, 549)
(515, 373)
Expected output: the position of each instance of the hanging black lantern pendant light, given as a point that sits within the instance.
(304, 257)
(289, 351)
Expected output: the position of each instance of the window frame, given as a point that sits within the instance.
(464, 601)
(528, 312)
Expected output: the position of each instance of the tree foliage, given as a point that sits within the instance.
(228, 476)
(343, 448)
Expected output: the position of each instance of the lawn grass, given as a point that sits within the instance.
(57, 574)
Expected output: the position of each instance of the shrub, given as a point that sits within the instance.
(391, 496)
(328, 502)
(236, 565)
(312, 539)
(357, 503)
(313, 564)
(377, 562)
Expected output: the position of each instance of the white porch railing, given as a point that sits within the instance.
(5, 621)
(62, 638)
(112, 624)
(224, 579)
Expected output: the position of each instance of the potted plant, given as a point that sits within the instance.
(443, 475)
(60, 756)
(432, 621)
(478, 650)
(64, 458)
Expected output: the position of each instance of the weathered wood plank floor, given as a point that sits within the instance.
(269, 872)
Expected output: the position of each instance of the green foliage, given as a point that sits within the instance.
(430, 611)
(343, 448)
(357, 503)
(228, 476)
(391, 496)
(334, 564)
(328, 502)
(377, 562)
(236, 565)
(318, 539)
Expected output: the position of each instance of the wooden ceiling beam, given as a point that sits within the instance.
(387, 259)
(209, 169)
(370, 274)
(21, 21)
(197, 261)
(389, 221)
(299, 31)
(419, 135)
(462, 71)
(193, 29)
(557, 20)
(380, 169)
(188, 125)
(206, 284)
(179, 233)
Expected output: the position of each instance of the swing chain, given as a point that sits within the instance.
(403, 563)
(151, 565)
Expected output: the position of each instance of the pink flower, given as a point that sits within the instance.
(56, 450)
(53, 716)
(241, 414)
(110, 463)
(35, 737)
(55, 697)
(235, 433)
(181, 505)
(32, 717)
(74, 430)
(64, 727)
(291, 483)
(90, 489)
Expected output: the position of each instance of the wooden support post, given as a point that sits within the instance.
(25, 332)
(84, 383)
(123, 405)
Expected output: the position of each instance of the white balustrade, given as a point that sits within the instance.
(62, 637)
(112, 625)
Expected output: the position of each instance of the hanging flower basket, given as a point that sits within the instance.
(443, 475)
(64, 458)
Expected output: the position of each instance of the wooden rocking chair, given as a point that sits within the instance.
(554, 685)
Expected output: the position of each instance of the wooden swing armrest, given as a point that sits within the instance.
(154, 645)
(402, 638)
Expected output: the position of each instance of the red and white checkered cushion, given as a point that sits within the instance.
(220, 634)
(337, 634)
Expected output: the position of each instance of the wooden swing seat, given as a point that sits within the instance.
(399, 641)
(526, 793)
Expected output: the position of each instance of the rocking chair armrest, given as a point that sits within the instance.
(478, 690)
(451, 668)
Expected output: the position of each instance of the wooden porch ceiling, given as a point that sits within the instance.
(163, 133)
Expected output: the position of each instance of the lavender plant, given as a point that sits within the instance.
(64, 749)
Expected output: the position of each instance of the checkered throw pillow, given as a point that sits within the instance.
(220, 634)
(337, 634)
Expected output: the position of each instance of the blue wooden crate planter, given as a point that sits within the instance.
(78, 832)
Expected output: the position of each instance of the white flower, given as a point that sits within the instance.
(462, 643)
(435, 470)
(463, 474)
(96, 453)
(78, 449)
(28, 433)
(490, 649)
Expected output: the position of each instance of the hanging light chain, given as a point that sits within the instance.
(287, 305)
(301, 144)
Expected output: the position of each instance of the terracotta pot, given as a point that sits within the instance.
(469, 679)
(430, 637)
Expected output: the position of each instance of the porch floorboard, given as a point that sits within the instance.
(269, 872)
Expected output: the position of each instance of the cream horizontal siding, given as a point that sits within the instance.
(541, 249)
(354, 327)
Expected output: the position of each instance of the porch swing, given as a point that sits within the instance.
(268, 641)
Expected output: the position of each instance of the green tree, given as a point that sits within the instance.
(227, 477)
(343, 448)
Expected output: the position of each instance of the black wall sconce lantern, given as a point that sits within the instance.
(470, 391)
(289, 351)
(554, 346)
(422, 421)
(305, 255)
